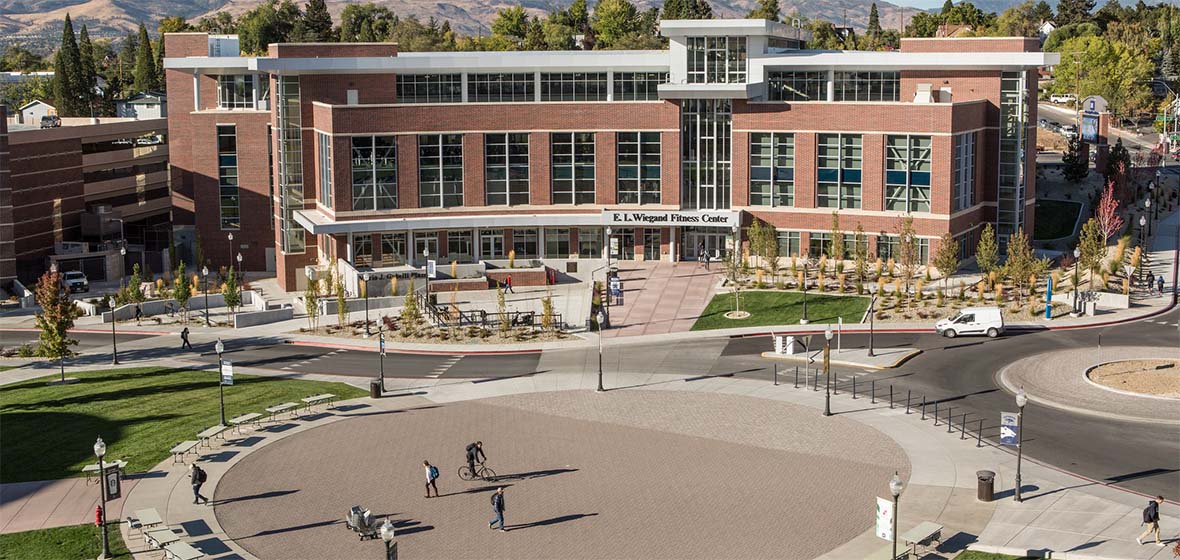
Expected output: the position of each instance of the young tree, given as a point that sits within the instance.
(770, 250)
(502, 311)
(182, 290)
(341, 297)
(860, 255)
(836, 245)
(311, 300)
(411, 317)
(1092, 244)
(946, 259)
(55, 319)
(1107, 214)
(133, 291)
(907, 249)
(547, 315)
(1076, 164)
(233, 298)
(987, 253)
(1021, 264)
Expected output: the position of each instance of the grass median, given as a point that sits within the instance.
(48, 432)
(780, 308)
(61, 543)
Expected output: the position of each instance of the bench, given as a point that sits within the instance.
(318, 399)
(244, 419)
(181, 550)
(183, 448)
(91, 471)
(159, 538)
(925, 534)
(206, 437)
(148, 518)
(278, 409)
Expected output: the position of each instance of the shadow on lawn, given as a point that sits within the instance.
(135, 392)
(51, 445)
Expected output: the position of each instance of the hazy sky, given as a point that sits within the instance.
(924, 4)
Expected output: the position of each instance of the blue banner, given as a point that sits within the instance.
(1009, 428)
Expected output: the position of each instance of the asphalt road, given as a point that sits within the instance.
(86, 341)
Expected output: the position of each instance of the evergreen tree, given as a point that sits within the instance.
(534, 38)
(947, 7)
(675, 9)
(874, 29)
(160, 82)
(86, 56)
(1074, 11)
(766, 9)
(702, 10)
(1043, 11)
(316, 24)
(1076, 164)
(145, 63)
(69, 91)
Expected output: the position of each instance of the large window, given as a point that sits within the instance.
(393, 248)
(573, 86)
(500, 88)
(524, 243)
(460, 246)
(573, 167)
(429, 88)
(590, 243)
(797, 86)
(325, 146)
(491, 243)
(227, 176)
(889, 246)
(907, 173)
(290, 157)
(374, 172)
(235, 91)
(638, 86)
(788, 243)
(440, 170)
(867, 86)
(705, 153)
(772, 169)
(716, 60)
(839, 168)
(362, 249)
(964, 171)
(638, 168)
(557, 243)
(506, 168)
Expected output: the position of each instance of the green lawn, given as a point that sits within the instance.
(973, 555)
(6, 368)
(1055, 218)
(61, 543)
(780, 308)
(48, 432)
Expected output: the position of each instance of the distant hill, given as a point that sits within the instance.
(42, 18)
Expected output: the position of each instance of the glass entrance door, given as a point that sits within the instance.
(714, 244)
(651, 244)
(626, 237)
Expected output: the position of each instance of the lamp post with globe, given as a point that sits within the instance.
(1021, 400)
(219, 347)
(828, 371)
(388, 531)
(896, 487)
(205, 283)
(100, 450)
(114, 341)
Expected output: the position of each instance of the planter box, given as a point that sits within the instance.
(521, 276)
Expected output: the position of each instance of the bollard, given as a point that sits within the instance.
(935, 413)
(907, 400)
(963, 428)
(776, 374)
(873, 391)
(979, 434)
(923, 408)
(796, 377)
(836, 384)
(890, 396)
(815, 381)
(950, 426)
(854, 388)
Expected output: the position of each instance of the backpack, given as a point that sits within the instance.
(1149, 513)
(201, 476)
(433, 472)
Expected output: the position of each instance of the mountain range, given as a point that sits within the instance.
(42, 18)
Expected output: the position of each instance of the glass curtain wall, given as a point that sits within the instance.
(705, 126)
(290, 163)
(1013, 131)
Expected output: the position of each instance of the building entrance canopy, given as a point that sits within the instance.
(317, 223)
(664, 218)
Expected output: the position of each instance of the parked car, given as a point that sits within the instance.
(1043, 122)
(973, 320)
(1062, 98)
(50, 121)
(1069, 131)
(75, 281)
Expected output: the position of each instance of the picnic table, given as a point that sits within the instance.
(181, 550)
(925, 534)
(317, 399)
(148, 518)
(91, 471)
(160, 538)
(207, 436)
(239, 421)
(183, 448)
(278, 409)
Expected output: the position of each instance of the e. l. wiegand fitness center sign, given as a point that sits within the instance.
(670, 218)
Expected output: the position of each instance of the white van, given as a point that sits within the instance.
(1062, 98)
(973, 320)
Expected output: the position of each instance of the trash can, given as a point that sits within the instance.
(375, 389)
(987, 485)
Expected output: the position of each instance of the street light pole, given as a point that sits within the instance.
(606, 300)
(896, 487)
(828, 371)
(872, 303)
(1077, 255)
(114, 341)
(205, 282)
(1143, 230)
(381, 352)
(804, 320)
(1021, 400)
(365, 278)
(100, 449)
(426, 268)
(242, 278)
(230, 237)
(601, 318)
(219, 347)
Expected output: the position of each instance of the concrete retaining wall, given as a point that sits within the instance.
(1106, 300)
(328, 305)
(250, 301)
(254, 318)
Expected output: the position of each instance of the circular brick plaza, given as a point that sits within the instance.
(626, 474)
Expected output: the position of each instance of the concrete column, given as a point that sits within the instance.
(831, 86)
(196, 91)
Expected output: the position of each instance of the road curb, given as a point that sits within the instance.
(389, 350)
(1007, 385)
(805, 358)
(91, 331)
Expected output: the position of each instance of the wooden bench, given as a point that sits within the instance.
(318, 399)
(91, 471)
(925, 534)
(184, 448)
(159, 538)
(244, 419)
(148, 518)
(206, 437)
(278, 409)
(181, 550)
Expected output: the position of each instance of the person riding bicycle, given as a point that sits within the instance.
(474, 452)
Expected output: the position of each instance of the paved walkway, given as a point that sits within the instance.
(661, 297)
(1058, 379)
(25, 506)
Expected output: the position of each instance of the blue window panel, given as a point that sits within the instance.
(895, 177)
(920, 178)
(784, 174)
(851, 175)
(829, 175)
(760, 173)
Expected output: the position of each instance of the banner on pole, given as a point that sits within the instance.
(884, 519)
(431, 269)
(227, 372)
(113, 482)
(1009, 428)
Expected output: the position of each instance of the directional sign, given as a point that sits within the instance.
(227, 372)
(1009, 428)
(431, 270)
(884, 527)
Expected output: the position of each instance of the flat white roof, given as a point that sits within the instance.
(726, 27)
(897, 60)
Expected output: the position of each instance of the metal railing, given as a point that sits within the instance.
(448, 316)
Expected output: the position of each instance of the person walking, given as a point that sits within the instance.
(197, 477)
(1150, 283)
(184, 343)
(431, 477)
(701, 256)
(1160, 282)
(498, 508)
(138, 313)
(1151, 518)
(508, 284)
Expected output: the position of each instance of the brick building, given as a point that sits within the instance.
(78, 193)
(316, 153)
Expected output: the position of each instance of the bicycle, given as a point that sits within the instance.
(481, 472)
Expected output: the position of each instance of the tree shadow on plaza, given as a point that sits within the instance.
(294, 528)
(262, 496)
(550, 521)
(533, 474)
(476, 490)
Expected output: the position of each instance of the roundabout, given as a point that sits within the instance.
(629, 474)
